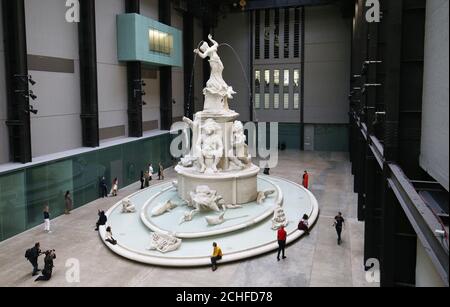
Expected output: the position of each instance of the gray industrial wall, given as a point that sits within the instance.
(49, 36)
(327, 62)
(326, 75)
(234, 30)
(4, 144)
(435, 130)
(54, 65)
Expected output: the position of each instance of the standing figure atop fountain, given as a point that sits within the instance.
(217, 91)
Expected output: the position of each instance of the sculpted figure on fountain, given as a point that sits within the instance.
(210, 146)
(239, 155)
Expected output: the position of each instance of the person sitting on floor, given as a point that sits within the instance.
(304, 224)
(109, 236)
(102, 219)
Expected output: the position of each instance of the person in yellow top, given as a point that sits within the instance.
(216, 256)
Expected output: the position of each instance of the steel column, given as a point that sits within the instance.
(16, 69)
(134, 84)
(88, 74)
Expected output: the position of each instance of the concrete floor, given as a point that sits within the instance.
(315, 261)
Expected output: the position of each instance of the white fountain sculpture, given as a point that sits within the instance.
(219, 157)
(279, 218)
(262, 196)
(127, 206)
(203, 199)
(164, 243)
(163, 208)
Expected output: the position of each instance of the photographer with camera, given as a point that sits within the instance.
(48, 267)
(32, 255)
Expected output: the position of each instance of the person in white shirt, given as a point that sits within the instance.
(115, 187)
(109, 237)
(150, 171)
(47, 219)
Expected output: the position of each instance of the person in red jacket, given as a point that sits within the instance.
(305, 179)
(282, 235)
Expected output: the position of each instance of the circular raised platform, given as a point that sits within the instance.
(133, 236)
(235, 219)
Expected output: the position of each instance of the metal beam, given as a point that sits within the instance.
(16, 75)
(188, 67)
(422, 219)
(165, 16)
(134, 84)
(88, 74)
(269, 4)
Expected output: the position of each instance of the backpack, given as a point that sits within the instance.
(28, 253)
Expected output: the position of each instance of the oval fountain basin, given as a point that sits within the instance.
(235, 219)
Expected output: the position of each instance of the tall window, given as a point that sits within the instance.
(257, 32)
(297, 33)
(277, 67)
(267, 35)
(267, 89)
(160, 42)
(296, 89)
(286, 33)
(286, 77)
(276, 51)
(257, 89)
(276, 89)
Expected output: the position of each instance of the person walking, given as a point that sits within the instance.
(48, 266)
(305, 181)
(304, 224)
(103, 187)
(339, 223)
(142, 179)
(147, 179)
(161, 172)
(47, 219)
(32, 256)
(68, 202)
(216, 256)
(282, 236)
(115, 187)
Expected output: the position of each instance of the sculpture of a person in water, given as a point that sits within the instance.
(210, 146)
(216, 85)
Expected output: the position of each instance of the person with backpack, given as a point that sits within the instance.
(48, 267)
(304, 224)
(32, 255)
